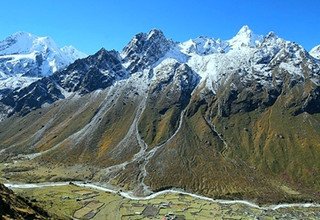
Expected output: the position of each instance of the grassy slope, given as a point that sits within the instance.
(271, 154)
(194, 161)
(277, 143)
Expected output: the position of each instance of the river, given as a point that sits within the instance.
(129, 195)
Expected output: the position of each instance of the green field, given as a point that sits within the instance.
(71, 201)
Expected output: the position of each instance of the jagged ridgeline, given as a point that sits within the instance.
(228, 119)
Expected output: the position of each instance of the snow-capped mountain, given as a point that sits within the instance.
(72, 53)
(315, 52)
(25, 58)
(84, 75)
(245, 37)
(225, 118)
(247, 56)
(145, 49)
(206, 45)
(203, 46)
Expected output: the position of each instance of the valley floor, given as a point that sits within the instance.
(81, 200)
(87, 201)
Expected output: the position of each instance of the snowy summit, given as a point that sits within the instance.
(25, 57)
(315, 52)
(245, 37)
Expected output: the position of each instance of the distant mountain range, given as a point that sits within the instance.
(236, 118)
(24, 58)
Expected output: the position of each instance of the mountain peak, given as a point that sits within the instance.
(22, 34)
(203, 46)
(101, 51)
(154, 33)
(271, 34)
(245, 37)
(244, 30)
(315, 52)
(146, 48)
(19, 42)
(24, 56)
(104, 54)
(26, 43)
(73, 53)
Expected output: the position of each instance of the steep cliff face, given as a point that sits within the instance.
(233, 119)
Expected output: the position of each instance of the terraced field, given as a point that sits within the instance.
(71, 201)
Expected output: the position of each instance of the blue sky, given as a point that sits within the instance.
(92, 24)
